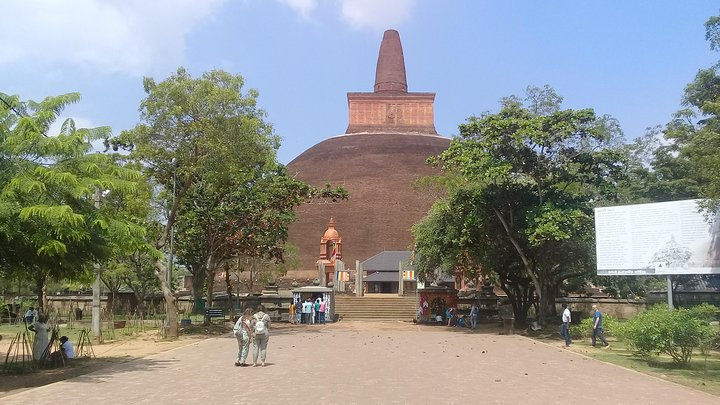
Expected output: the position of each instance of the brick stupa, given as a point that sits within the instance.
(390, 135)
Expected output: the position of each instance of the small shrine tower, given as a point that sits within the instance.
(330, 252)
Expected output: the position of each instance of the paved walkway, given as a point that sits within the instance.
(359, 363)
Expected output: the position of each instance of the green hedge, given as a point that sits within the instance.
(676, 333)
(584, 329)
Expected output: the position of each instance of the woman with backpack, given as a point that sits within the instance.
(260, 326)
(242, 332)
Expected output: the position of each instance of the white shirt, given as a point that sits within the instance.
(566, 315)
(69, 350)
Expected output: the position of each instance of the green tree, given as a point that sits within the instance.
(241, 218)
(196, 129)
(694, 131)
(532, 175)
(204, 138)
(49, 226)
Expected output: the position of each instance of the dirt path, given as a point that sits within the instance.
(358, 363)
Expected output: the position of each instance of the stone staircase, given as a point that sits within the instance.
(385, 307)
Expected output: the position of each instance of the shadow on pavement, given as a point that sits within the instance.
(79, 370)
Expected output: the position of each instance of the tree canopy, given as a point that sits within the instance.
(531, 174)
(207, 141)
(49, 225)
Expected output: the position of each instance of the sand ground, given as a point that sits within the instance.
(359, 363)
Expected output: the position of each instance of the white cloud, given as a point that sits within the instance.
(130, 36)
(376, 14)
(372, 14)
(302, 7)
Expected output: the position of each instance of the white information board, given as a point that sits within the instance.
(660, 238)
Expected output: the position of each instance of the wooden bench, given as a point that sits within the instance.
(214, 313)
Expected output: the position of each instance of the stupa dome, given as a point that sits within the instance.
(390, 135)
(331, 232)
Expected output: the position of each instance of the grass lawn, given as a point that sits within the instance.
(701, 373)
(110, 330)
(8, 332)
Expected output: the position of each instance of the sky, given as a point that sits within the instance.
(629, 59)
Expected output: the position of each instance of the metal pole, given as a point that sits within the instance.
(96, 286)
(669, 293)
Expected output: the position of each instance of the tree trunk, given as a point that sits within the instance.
(529, 267)
(171, 310)
(40, 291)
(210, 289)
(210, 277)
(198, 285)
(228, 290)
(520, 300)
(114, 302)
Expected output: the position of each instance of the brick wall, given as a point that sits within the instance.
(408, 112)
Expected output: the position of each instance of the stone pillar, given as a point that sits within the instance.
(400, 276)
(358, 279)
(321, 276)
(339, 266)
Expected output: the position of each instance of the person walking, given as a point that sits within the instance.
(474, 315)
(322, 308)
(291, 312)
(260, 326)
(598, 328)
(565, 329)
(242, 333)
(450, 315)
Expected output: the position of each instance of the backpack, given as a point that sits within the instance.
(260, 325)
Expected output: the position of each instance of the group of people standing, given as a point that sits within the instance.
(255, 328)
(308, 311)
(597, 327)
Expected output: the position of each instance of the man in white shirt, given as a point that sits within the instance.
(565, 330)
(306, 311)
(31, 316)
(66, 348)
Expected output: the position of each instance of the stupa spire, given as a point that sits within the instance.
(390, 72)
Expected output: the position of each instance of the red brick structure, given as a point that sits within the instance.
(390, 135)
(390, 108)
(330, 250)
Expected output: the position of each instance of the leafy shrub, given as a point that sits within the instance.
(584, 329)
(676, 333)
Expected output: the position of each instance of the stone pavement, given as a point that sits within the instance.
(367, 363)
